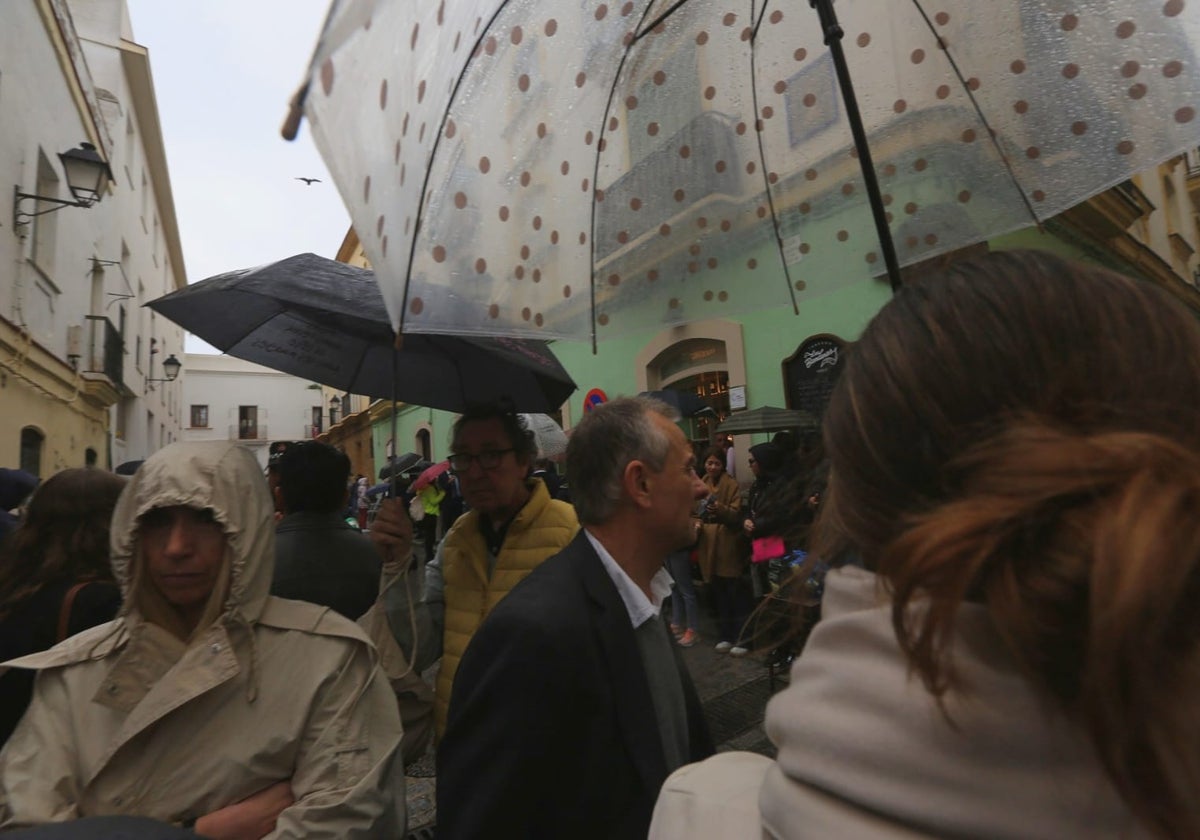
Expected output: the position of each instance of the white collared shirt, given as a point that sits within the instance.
(641, 609)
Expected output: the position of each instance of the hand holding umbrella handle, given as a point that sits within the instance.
(392, 532)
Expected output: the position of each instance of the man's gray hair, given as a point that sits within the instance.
(600, 447)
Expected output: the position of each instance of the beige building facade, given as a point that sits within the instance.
(81, 362)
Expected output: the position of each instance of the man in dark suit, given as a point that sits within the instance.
(571, 704)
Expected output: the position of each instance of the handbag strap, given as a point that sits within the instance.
(64, 612)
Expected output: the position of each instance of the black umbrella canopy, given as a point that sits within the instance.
(768, 418)
(324, 320)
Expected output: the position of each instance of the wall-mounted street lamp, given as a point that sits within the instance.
(170, 366)
(87, 177)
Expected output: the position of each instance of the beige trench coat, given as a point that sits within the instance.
(722, 551)
(126, 719)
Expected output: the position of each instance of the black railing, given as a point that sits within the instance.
(106, 349)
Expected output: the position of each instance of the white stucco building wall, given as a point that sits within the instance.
(229, 399)
(78, 354)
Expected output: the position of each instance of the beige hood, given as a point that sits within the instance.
(219, 476)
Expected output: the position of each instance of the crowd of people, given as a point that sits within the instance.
(1004, 495)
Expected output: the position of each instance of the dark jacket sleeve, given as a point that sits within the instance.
(94, 604)
(504, 733)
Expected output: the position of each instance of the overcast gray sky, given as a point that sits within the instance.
(224, 71)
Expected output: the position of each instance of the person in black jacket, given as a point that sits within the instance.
(55, 578)
(319, 557)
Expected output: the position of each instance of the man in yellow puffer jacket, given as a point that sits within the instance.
(512, 526)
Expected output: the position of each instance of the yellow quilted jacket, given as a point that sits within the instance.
(542, 528)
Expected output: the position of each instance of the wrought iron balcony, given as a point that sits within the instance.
(106, 350)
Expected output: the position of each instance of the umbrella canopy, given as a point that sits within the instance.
(685, 402)
(399, 464)
(551, 440)
(766, 419)
(429, 475)
(594, 168)
(324, 320)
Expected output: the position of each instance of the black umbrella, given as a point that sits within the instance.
(768, 418)
(323, 320)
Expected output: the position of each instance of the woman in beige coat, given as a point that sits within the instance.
(722, 552)
(206, 691)
(1008, 647)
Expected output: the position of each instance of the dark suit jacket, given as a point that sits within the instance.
(551, 731)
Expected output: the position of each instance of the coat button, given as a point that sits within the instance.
(215, 648)
(118, 800)
(112, 688)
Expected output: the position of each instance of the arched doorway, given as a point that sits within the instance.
(704, 358)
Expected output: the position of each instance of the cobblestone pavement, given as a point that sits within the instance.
(733, 692)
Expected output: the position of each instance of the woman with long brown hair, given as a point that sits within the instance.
(1011, 647)
(55, 577)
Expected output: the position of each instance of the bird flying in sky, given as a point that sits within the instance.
(309, 181)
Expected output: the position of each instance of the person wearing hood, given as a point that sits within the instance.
(767, 462)
(206, 696)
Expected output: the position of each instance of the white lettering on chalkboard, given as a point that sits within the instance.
(821, 357)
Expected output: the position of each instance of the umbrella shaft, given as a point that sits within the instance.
(833, 39)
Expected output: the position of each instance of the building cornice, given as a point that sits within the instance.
(60, 28)
(1100, 226)
(135, 59)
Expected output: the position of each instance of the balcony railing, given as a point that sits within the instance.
(106, 350)
(1193, 163)
(247, 432)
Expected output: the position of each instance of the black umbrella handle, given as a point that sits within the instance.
(833, 40)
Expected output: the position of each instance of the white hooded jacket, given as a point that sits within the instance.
(866, 752)
(127, 718)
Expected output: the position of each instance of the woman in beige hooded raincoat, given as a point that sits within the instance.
(171, 716)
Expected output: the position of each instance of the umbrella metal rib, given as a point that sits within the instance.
(437, 140)
(762, 160)
(979, 111)
(612, 92)
(833, 40)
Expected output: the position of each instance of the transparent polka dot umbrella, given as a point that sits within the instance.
(585, 169)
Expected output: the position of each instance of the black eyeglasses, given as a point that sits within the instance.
(489, 459)
(752, 461)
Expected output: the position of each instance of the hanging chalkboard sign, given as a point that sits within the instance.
(809, 374)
